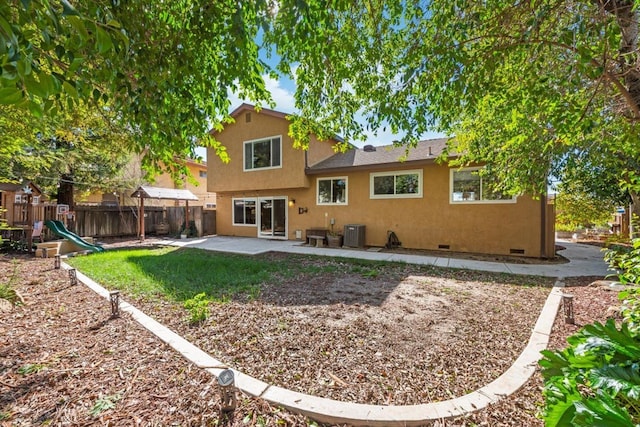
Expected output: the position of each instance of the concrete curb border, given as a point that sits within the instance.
(357, 414)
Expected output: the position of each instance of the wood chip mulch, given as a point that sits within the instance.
(405, 336)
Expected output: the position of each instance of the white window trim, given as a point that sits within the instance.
(514, 199)
(332, 178)
(244, 153)
(417, 195)
(233, 211)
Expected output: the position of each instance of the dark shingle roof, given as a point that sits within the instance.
(370, 156)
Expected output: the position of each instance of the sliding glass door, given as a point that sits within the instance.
(273, 217)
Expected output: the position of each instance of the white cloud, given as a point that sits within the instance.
(282, 96)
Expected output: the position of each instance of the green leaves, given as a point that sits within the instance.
(596, 380)
(9, 95)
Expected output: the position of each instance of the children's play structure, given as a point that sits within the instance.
(71, 243)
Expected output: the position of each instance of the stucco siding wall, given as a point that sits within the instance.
(421, 223)
(319, 150)
(232, 177)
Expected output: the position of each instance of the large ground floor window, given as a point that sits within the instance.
(244, 211)
(404, 184)
(470, 186)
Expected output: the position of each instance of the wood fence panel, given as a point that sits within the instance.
(208, 222)
(114, 221)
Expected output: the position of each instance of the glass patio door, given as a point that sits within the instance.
(272, 217)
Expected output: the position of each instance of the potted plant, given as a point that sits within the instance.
(334, 239)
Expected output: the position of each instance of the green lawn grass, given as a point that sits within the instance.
(180, 274)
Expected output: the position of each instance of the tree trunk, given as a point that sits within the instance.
(634, 221)
(65, 190)
(627, 19)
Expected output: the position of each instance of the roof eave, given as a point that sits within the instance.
(342, 169)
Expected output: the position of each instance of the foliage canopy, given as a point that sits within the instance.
(531, 87)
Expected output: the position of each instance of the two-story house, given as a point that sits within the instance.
(271, 190)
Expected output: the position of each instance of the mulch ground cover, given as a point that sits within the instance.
(406, 335)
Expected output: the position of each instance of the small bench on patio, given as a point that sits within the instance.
(318, 239)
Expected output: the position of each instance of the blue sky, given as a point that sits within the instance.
(282, 91)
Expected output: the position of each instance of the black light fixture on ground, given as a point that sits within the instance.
(567, 306)
(226, 383)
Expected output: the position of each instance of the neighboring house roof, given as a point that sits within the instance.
(16, 188)
(370, 156)
(163, 193)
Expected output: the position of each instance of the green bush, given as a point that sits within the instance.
(595, 381)
(626, 260)
(198, 308)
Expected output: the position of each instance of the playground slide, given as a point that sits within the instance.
(60, 230)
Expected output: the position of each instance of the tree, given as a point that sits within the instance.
(527, 87)
(524, 86)
(577, 208)
(164, 67)
(83, 149)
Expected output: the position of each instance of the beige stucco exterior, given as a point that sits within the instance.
(432, 221)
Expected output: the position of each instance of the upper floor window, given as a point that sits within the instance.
(469, 186)
(332, 191)
(262, 153)
(405, 184)
(244, 211)
(203, 174)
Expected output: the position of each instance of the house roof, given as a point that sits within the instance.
(163, 193)
(17, 188)
(370, 156)
(248, 107)
(245, 107)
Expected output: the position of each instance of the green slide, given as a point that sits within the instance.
(60, 230)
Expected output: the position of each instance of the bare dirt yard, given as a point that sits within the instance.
(396, 335)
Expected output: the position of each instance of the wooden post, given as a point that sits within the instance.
(29, 223)
(186, 218)
(141, 218)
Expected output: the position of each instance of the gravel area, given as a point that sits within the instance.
(403, 335)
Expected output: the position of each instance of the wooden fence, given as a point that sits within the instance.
(120, 221)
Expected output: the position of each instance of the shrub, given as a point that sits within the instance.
(198, 308)
(626, 260)
(595, 381)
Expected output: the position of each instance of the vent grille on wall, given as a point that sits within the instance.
(443, 247)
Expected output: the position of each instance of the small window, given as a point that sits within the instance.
(35, 200)
(468, 186)
(18, 198)
(405, 184)
(209, 205)
(332, 191)
(262, 154)
(244, 211)
(203, 174)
